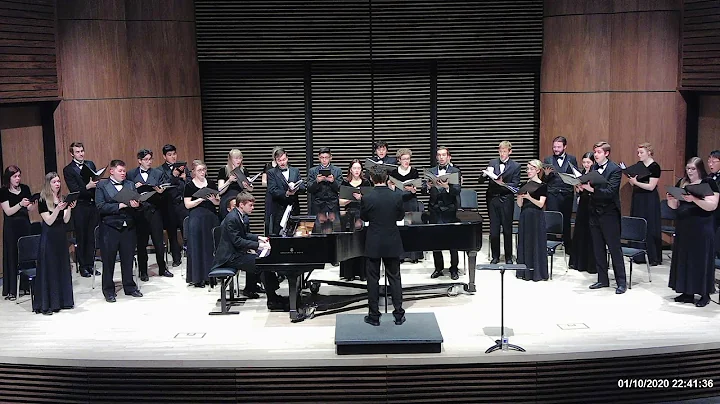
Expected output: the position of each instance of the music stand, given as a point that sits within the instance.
(502, 268)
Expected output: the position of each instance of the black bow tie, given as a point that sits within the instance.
(442, 168)
(602, 167)
(559, 157)
(283, 170)
(115, 182)
(143, 171)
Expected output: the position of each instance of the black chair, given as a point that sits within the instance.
(667, 215)
(633, 232)
(554, 228)
(98, 258)
(28, 251)
(225, 276)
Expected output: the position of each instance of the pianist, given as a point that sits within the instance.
(238, 249)
(383, 207)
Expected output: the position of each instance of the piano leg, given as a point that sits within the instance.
(293, 290)
(472, 255)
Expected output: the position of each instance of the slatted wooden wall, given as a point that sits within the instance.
(27, 51)
(586, 381)
(347, 73)
(701, 45)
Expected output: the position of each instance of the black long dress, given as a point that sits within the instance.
(532, 240)
(646, 204)
(583, 258)
(53, 283)
(200, 249)
(354, 267)
(410, 204)
(232, 189)
(692, 269)
(14, 227)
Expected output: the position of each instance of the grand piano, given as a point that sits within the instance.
(333, 240)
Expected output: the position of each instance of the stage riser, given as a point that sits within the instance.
(586, 381)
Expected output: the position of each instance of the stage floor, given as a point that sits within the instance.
(170, 326)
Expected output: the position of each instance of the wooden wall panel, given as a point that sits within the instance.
(91, 9)
(570, 7)
(577, 61)
(160, 10)
(162, 59)
(708, 125)
(21, 134)
(644, 49)
(582, 118)
(93, 57)
(27, 52)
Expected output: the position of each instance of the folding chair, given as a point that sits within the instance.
(633, 232)
(28, 251)
(554, 227)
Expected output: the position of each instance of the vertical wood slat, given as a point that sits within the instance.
(27, 28)
(700, 46)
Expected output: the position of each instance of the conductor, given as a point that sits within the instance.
(382, 207)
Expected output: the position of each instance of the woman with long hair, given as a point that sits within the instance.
(646, 203)
(583, 258)
(692, 268)
(53, 283)
(201, 220)
(532, 231)
(15, 202)
(355, 267)
(228, 182)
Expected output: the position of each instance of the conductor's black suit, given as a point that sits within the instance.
(383, 207)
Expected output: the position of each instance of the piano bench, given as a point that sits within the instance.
(225, 277)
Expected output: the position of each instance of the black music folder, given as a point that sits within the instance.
(347, 192)
(529, 187)
(593, 177)
(387, 167)
(204, 192)
(71, 197)
(698, 190)
(636, 170)
(128, 194)
(88, 174)
(452, 178)
(325, 172)
(417, 182)
(295, 186)
(34, 198)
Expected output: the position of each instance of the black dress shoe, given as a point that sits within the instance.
(399, 321)
(704, 300)
(494, 261)
(372, 321)
(279, 304)
(110, 299)
(144, 278)
(135, 293)
(85, 273)
(250, 294)
(685, 298)
(96, 272)
(199, 284)
(176, 263)
(620, 290)
(167, 274)
(509, 262)
(598, 285)
(363, 278)
(436, 274)
(454, 275)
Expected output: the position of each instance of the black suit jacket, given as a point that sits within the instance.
(235, 242)
(155, 178)
(277, 186)
(325, 195)
(606, 197)
(174, 195)
(109, 208)
(382, 207)
(716, 178)
(444, 203)
(555, 184)
(75, 183)
(511, 176)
